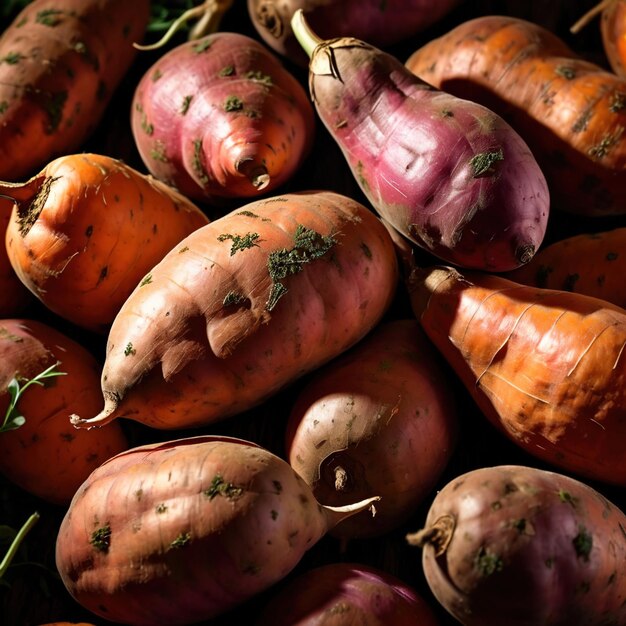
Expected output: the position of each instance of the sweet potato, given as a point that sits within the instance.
(613, 30)
(181, 531)
(522, 546)
(46, 456)
(379, 420)
(244, 306)
(593, 264)
(380, 23)
(346, 594)
(87, 228)
(221, 117)
(447, 173)
(570, 111)
(546, 367)
(60, 63)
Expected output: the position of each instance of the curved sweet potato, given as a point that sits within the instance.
(46, 455)
(546, 367)
(346, 594)
(181, 531)
(59, 66)
(379, 420)
(87, 228)
(244, 306)
(571, 112)
(522, 546)
(221, 117)
(613, 29)
(449, 174)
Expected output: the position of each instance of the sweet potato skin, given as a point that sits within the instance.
(449, 174)
(590, 263)
(86, 229)
(546, 367)
(181, 531)
(523, 546)
(221, 117)
(571, 112)
(47, 439)
(244, 306)
(60, 66)
(613, 30)
(379, 420)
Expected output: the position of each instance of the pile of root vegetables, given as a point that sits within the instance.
(313, 313)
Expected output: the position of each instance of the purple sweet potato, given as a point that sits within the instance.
(448, 173)
(523, 546)
(181, 531)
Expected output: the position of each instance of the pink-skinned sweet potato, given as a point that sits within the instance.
(244, 306)
(381, 23)
(381, 420)
(182, 531)
(60, 63)
(346, 594)
(449, 174)
(522, 546)
(221, 117)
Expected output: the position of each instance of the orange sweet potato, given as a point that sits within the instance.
(87, 228)
(46, 456)
(546, 367)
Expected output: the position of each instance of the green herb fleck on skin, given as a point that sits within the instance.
(129, 350)
(54, 103)
(583, 543)
(4, 105)
(487, 563)
(247, 213)
(308, 246)
(49, 17)
(229, 70)
(183, 249)
(156, 75)
(618, 102)
(202, 45)
(101, 538)
(182, 540)
(145, 126)
(259, 77)
(185, 107)
(232, 104)
(161, 508)
(219, 487)
(146, 280)
(12, 58)
(566, 72)
(197, 164)
(567, 497)
(158, 152)
(240, 242)
(482, 164)
(233, 298)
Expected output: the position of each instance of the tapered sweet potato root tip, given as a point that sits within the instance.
(257, 174)
(111, 402)
(336, 514)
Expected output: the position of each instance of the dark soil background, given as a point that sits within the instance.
(31, 592)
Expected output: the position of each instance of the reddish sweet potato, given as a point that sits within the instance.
(522, 546)
(46, 456)
(60, 63)
(181, 531)
(244, 306)
(447, 173)
(380, 420)
(571, 112)
(221, 117)
(87, 228)
(346, 594)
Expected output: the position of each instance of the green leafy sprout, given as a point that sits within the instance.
(17, 540)
(16, 387)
